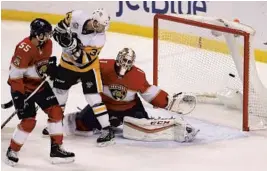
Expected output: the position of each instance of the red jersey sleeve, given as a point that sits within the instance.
(18, 67)
(152, 94)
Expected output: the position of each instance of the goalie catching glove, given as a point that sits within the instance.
(158, 129)
(182, 103)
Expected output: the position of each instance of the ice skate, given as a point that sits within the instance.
(59, 155)
(11, 157)
(106, 137)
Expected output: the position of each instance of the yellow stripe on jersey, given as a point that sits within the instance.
(98, 80)
(99, 109)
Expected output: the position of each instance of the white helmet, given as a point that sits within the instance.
(102, 17)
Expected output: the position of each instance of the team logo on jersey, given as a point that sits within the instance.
(16, 61)
(89, 84)
(41, 67)
(118, 92)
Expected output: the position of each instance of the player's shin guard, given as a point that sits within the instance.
(57, 153)
(20, 136)
(101, 114)
(55, 130)
(107, 134)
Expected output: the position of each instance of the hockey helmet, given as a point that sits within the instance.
(101, 19)
(41, 29)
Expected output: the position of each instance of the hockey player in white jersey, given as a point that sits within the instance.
(82, 36)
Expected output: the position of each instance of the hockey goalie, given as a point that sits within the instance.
(123, 82)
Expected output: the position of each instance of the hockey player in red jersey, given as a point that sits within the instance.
(122, 83)
(28, 66)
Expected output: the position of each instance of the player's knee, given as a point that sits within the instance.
(93, 99)
(62, 95)
(55, 113)
(27, 125)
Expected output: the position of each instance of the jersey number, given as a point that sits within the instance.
(94, 53)
(25, 46)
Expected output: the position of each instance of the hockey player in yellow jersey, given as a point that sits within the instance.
(82, 36)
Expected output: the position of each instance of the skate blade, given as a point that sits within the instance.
(105, 144)
(45, 136)
(59, 160)
(83, 133)
(10, 162)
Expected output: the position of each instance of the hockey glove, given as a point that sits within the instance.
(63, 38)
(52, 67)
(181, 103)
(62, 34)
(75, 47)
(20, 105)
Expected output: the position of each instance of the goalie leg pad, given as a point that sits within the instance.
(158, 129)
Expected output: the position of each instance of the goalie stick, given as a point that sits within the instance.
(15, 112)
(210, 97)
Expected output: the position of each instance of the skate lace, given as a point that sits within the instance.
(13, 154)
(104, 133)
(62, 150)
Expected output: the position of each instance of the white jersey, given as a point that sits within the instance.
(92, 42)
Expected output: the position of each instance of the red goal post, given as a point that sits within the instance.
(224, 29)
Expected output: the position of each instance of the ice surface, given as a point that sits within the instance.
(219, 146)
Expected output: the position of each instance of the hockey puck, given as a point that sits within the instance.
(231, 75)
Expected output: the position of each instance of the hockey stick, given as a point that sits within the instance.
(15, 112)
(11, 116)
(10, 103)
(7, 105)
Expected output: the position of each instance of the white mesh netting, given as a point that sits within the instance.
(191, 59)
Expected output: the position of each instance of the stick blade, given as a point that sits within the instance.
(7, 105)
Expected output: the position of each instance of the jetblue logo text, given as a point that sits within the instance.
(163, 7)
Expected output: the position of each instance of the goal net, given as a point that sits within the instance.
(212, 58)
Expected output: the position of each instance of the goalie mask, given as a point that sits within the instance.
(125, 61)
